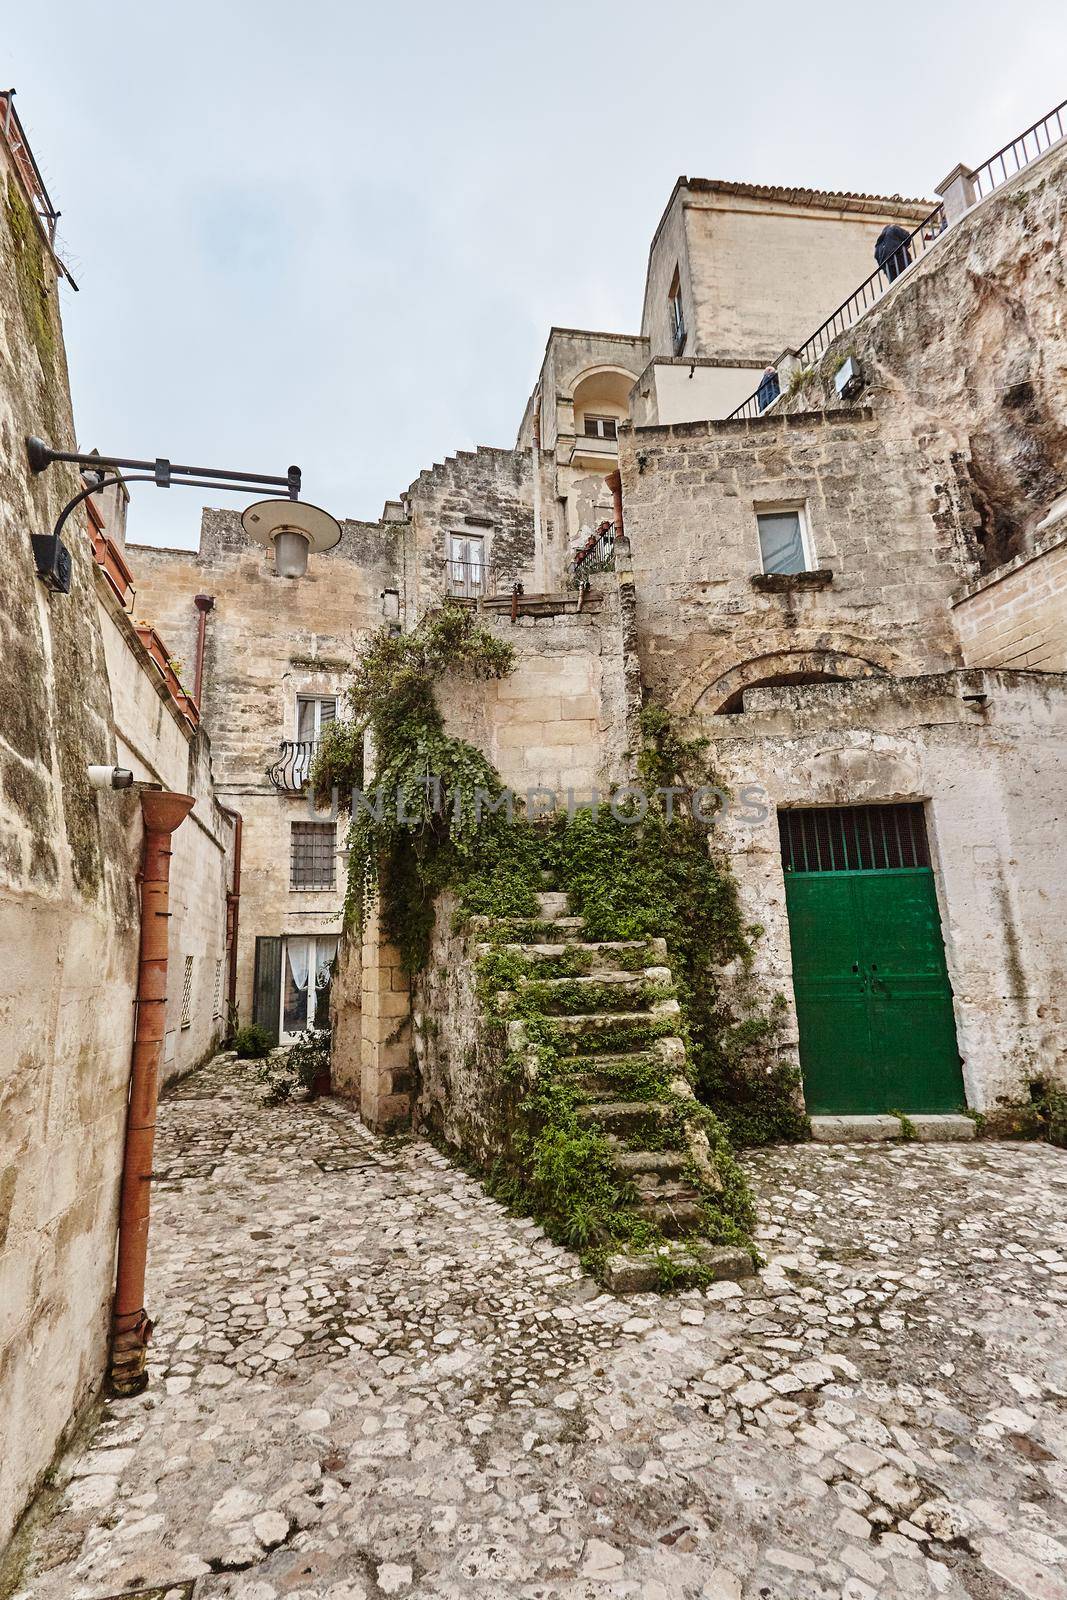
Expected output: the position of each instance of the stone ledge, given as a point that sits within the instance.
(928, 1129)
(689, 1261)
(785, 582)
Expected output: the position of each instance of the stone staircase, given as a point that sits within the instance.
(607, 1074)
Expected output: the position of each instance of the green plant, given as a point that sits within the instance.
(307, 1058)
(252, 1042)
(908, 1130)
(429, 814)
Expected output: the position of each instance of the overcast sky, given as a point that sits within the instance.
(337, 234)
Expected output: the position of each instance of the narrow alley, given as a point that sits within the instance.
(368, 1379)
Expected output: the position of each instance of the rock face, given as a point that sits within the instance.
(972, 342)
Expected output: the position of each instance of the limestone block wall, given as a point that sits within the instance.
(1016, 616)
(156, 742)
(68, 907)
(991, 775)
(484, 493)
(887, 530)
(268, 640)
(563, 718)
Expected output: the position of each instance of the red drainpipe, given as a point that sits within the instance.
(233, 903)
(131, 1328)
(614, 481)
(203, 603)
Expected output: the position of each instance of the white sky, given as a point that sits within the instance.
(337, 234)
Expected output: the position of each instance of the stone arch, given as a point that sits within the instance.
(788, 661)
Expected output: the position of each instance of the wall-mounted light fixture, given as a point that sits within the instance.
(307, 523)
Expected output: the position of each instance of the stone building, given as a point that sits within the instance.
(852, 585)
(811, 578)
(83, 684)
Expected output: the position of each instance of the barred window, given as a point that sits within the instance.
(217, 1012)
(311, 855)
(187, 993)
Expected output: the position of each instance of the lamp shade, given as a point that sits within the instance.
(293, 528)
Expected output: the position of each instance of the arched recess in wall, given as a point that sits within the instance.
(601, 392)
(724, 695)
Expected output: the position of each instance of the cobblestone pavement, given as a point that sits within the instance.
(369, 1380)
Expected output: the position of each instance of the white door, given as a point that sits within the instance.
(307, 965)
(466, 555)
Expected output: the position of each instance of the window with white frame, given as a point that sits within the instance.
(314, 712)
(601, 427)
(784, 539)
(187, 993)
(312, 858)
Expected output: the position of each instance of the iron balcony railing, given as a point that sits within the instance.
(1020, 153)
(293, 767)
(597, 554)
(1014, 158)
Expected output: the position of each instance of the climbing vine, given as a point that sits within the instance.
(426, 819)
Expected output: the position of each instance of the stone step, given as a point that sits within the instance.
(553, 904)
(582, 1031)
(676, 1266)
(928, 1129)
(675, 1215)
(601, 953)
(576, 996)
(652, 1165)
(624, 1118)
(529, 931)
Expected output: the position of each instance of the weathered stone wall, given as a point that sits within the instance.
(485, 493)
(991, 776)
(156, 742)
(455, 1100)
(562, 717)
(885, 522)
(68, 907)
(268, 640)
(1016, 616)
(971, 339)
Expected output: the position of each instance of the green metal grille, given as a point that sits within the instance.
(853, 838)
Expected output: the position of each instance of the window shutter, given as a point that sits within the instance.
(267, 985)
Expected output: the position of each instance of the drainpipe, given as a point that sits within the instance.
(131, 1328)
(233, 903)
(203, 603)
(614, 482)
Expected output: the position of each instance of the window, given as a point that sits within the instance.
(313, 713)
(311, 855)
(466, 565)
(307, 969)
(783, 540)
(187, 993)
(676, 315)
(602, 427)
(217, 1011)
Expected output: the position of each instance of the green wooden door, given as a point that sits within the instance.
(877, 1031)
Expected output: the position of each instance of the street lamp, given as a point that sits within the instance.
(291, 527)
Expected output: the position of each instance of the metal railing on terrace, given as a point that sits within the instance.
(1020, 153)
(976, 185)
(597, 554)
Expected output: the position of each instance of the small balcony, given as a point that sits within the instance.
(290, 772)
(595, 451)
